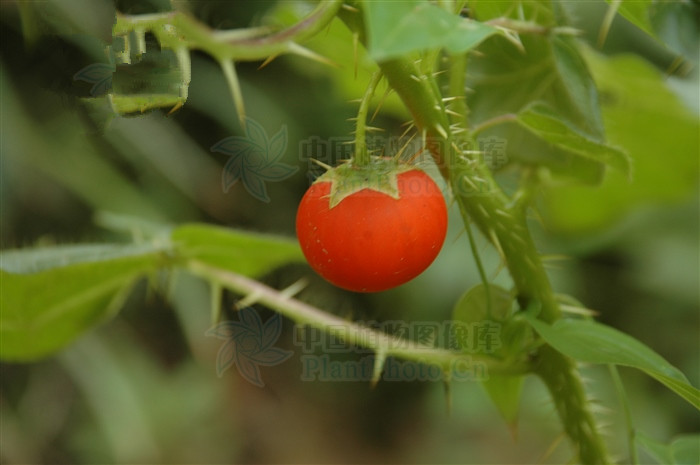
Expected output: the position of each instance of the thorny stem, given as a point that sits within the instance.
(457, 86)
(176, 29)
(561, 377)
(353, 333)
(361, 156)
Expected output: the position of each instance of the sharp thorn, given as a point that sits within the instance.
(305, 52)
(441, 131)
(320, 163)
(355, 43)
(235, 87)
(381, 102)
(267, 61)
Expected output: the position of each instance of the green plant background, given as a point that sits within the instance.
(143, 387)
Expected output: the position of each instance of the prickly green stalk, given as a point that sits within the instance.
(362, 156)
(176, 29)
(562, 379)
(384, 345)
(181, 33)
(482, 201)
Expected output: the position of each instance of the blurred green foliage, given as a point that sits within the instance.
(143, 388)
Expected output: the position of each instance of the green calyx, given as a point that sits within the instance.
(380, 175)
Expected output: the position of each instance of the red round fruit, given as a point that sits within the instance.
(371, 241)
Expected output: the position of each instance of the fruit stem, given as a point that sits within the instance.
(361, 156)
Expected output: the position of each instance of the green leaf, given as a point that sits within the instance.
(26, 261)
(657, 131)
(686, 450)
(575, 84)
(592, 342)
(483, 328)
(540, 11)
(659, 451)
(472, 309)
(50, 296)
(504, 392)
(550, 70)
(680, 387)
(541, 120)
(399, 28)
(673, 24)
(637, 12)
(133, 226)
(244, 253)
(683, 450)
(505, 79)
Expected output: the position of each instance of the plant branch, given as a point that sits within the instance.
(175, 29)
(383, 344)
(457, 86)
(561, 377)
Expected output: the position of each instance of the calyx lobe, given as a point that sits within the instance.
(380, 175)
